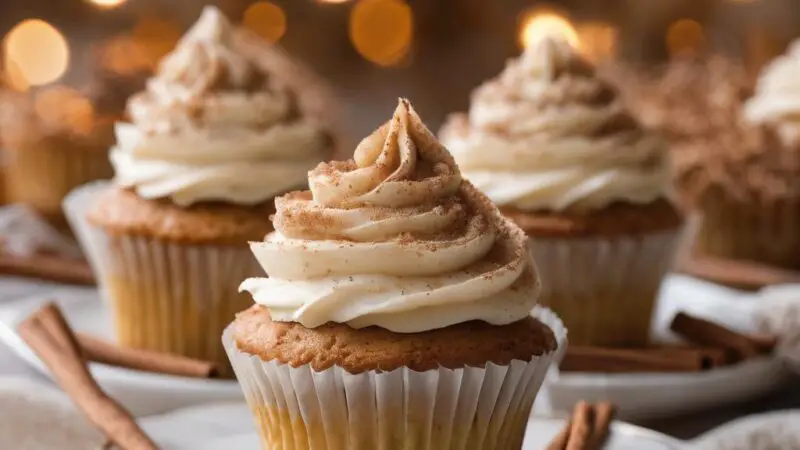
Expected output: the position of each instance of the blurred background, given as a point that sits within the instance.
(372, 51)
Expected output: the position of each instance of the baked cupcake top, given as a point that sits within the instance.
(393, 238)
(777, 98)
(213, 125)
(548, 134)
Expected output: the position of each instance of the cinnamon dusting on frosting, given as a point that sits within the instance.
(215, 125)
(393, 238)
(548, 134)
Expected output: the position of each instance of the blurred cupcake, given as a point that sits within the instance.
(398, 309)
(213, 139)
(744, 176)
(54, 141)
(555, 148)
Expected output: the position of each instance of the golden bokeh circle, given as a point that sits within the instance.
(382, 30)
(37, 51)
(266, 19)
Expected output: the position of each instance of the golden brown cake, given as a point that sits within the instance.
(555, 147)
(212, 139)
(377, 349)
(398, 309)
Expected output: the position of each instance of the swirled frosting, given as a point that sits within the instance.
(547, 134)
(212, 126)
(777, 97)
(393, 238)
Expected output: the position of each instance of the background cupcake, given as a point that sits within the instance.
(556, 149)
(745, 176)
(398, 309)
(212, 140)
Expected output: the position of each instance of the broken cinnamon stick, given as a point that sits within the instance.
(658, 359)
(739, 273)
(47, 333)
(704, 332)
(587, 429)
(603, 416)
(103, 352)
(48, 267)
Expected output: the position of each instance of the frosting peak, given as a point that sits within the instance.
(393, 238)
(212, 125)
(549, 134)
(777, 96)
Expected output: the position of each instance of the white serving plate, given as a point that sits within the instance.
(648, 396)
(141, 392)
(638, 396)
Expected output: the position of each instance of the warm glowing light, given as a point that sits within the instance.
(333, 1)
(540, 24)
(14, 77)
(685, 35)
(156, 37)
(64, 105)
(123, 55)
(382, 30)
(37, 51)
(107, 4)
(598, 40)
(266, 19)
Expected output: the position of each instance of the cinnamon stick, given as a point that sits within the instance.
(48, 267)
(603, 416)
(704, 332)
(587, 429)
(103, 352)
(659, 359)
(581, 429)
(48, 334)
(740, 273)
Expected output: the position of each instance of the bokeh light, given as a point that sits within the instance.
(63, 105)
(107, 4)
(36, 52)
(266, 19)
(539, 24)
(156, 37)
(598, 40)
(685, 35)
(382, 30)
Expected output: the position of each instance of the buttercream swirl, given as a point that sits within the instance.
(548, 134)
(211, 125)
(777, 98)
(393, 238)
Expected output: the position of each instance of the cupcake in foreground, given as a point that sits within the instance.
(213, 139)
(398, 308)
(554, 147)
(745, 178)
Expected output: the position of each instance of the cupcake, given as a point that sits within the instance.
(213, 139)
(398, 308)
(53, 142)
(555, 149)
(744, 177)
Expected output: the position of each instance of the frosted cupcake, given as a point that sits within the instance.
(397, 312)
(746, 178)
(554, 147)
(213, 139)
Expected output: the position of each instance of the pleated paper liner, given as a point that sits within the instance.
(168, 297)
(477, 408)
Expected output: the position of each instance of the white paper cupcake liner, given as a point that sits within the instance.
(605, 289)
(470, 408)
(164, 296)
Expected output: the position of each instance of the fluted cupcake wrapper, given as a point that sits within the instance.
(164, 296)
(604, 289)
(471, 408)
(41, 174)
(768, 233)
